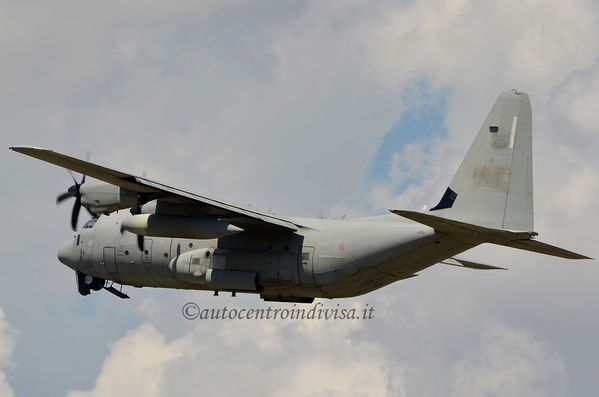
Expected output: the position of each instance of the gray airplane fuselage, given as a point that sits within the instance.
(322, 260)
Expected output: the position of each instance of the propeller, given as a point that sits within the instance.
(74, 191)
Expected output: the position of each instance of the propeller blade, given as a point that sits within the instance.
(73, 176)
(74, 191)
(62, 197)
(75, 214)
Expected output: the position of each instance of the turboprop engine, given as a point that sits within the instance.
(97, 198)
(101, 197)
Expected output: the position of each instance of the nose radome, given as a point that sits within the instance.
(65, 253)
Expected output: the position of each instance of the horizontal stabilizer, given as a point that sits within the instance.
(475, 234)
(453, 227)
(470, 264)
(543, 248)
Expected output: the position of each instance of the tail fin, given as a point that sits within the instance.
(493, 186)
(489, 199)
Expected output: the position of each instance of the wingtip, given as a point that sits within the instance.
(408, 214)
(26, 147)
(577, 256)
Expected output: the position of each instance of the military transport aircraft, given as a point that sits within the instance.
(172, 238)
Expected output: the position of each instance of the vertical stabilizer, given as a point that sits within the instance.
(493, 186)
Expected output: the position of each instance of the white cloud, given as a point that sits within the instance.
(329, 376)
(396, 353)
(315, 358)
(510, 362)
(8, 341)
(136, 365)
(575, 100)
(408, 164)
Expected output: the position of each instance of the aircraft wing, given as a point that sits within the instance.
(148, 190)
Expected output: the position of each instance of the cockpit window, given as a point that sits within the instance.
(89, 224)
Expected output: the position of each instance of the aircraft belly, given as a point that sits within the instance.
(405, 265)
(342, 256)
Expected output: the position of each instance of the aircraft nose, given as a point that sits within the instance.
(65, 252)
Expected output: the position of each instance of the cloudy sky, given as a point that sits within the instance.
(306, 108)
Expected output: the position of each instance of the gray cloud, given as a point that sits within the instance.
(510, 362)
(284, 106)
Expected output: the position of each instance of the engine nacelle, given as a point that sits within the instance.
(178, 226)
(101, 197)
